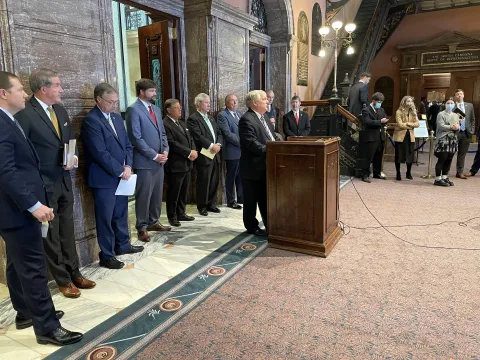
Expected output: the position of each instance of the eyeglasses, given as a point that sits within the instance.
(111, 102)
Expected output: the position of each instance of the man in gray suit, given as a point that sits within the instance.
(150, 153)
(228, 123)
(467, 129)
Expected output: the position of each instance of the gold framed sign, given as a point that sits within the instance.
(468, 56)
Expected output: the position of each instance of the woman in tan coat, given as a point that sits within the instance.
(403, 135)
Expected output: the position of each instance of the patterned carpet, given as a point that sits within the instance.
(408, 290)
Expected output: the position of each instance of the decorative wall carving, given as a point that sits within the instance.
(333, 7)
(258, 10)
(394, 17)
(302, 50)
(316, 25)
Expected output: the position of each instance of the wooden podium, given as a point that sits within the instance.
(303, 184)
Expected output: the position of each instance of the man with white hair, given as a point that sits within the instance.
(254, 132)
(206, 135)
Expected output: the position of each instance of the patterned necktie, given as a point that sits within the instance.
(235, 115)
(462, 125)
(111, 124)
(152, 114)
(54, 119)
(264, 122)
(210, 126)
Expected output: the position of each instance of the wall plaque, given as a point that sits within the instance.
(445, 58)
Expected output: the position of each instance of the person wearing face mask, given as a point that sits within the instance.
(446, 143)
(404, 137)
(372, 138)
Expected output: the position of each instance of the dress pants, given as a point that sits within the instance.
(148, 197)
(59, 244)
(254, 193)
(476, 161)
(463, 145)
(233, 181)
(27, 276)
(207, 185)
(177, 193)
(372, 152)
(111, 213)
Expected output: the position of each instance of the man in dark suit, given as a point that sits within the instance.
(108, 158)
(206, 135)
(467, 129)
(228, 123)
(180, 163)
(272, 112)
(296, 122)
(254, 132)
(432, 115)
(358, 95)
(372, 138)
(23, 209)
(476, 161)
(150, 153)
(46, 123)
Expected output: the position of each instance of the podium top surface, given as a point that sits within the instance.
(306, 140)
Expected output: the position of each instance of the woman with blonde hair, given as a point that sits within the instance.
(406, 121)
(446, 143)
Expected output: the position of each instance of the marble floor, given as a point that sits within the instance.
(163, 258)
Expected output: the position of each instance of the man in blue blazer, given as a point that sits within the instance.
(108, 158)
(228, 122)
(150, 153)
(23, 201)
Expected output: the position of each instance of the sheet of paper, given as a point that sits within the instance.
(207, 153)
(424, 117)
(421, 131)
(127, 187)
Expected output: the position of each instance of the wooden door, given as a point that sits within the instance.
(157, 60)
(258, 74)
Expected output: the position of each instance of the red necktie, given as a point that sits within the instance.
(296, 117)
(152, 114)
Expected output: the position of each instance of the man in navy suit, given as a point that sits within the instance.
(108, 158)
(296, 122)
(206, 135)
(150, 153)
(228, 122)
(23, 201)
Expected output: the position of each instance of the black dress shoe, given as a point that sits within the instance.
(112, 263)
(203, 212)
(23, 322)
(259, 232)
(409, 176)
(366, 179)
(381, 177)
(185, 217)
(235, 206)
(214, 210)
(59, 336)
(174, 222)
(133, 250)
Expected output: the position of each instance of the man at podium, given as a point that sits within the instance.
(254, 132)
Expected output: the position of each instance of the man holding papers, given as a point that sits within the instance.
(46, 123)
(150, 153)
(208, 139)
(108, 158)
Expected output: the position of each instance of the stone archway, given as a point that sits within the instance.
(281, 30)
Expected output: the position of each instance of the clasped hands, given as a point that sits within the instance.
(215, 148)
(162, 158)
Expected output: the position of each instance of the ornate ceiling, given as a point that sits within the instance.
(429, 5)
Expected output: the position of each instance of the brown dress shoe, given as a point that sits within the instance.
(143, 236)
(83, 283)
(159, 227)
(69, 290)
(461, 176)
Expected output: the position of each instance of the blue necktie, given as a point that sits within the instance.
(462, 125)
